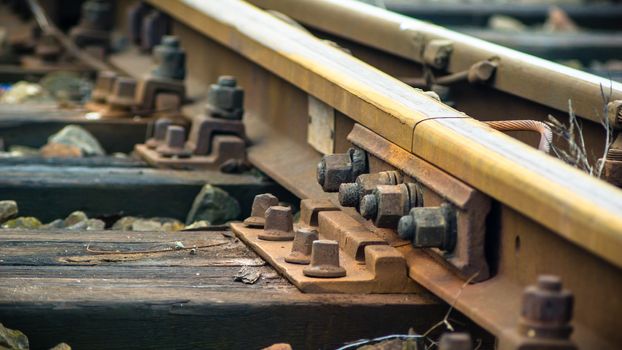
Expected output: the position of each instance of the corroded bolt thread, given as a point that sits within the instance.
(455, 341)
(546, 309)
(349, 194)
(324, 260)
(302, 246)
(123, 92)
(369, 206)
(103, 86)
(261, 203)
(175, 136)
(279, 224)
(159, 132)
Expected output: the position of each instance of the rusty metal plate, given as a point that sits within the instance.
(371, 265)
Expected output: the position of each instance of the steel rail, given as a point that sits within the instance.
(572, 205)
(520, 74)
(580, 208)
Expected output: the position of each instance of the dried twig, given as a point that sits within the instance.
(445, 320)
(175, 248)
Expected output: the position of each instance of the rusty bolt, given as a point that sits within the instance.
(174, 143)
(430, 227)
(437, 53)
(261, 203)
(170, 59)
(324, 260)
(226, 99)
(135, 16)
(301, 248)
(279, 224)
(122, 95)
(481, 72)
(159, 132)
(351, 193)
(103, 86)
(388, 203)
(455, 341)
(546, 309)
(154, 27)
(335, 169)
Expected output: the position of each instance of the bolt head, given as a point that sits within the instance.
(227, 97)
(359, 161)
(337, 170)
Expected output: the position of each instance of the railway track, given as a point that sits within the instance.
(414, 147)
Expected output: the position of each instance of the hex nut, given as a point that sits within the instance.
(335, 169)
(324, 260)
(174, 143)
(302, 246)
(226, 99)
(261, 203)
(159, 132)
(388, 203)
(350, 194)
(170, 59)
(279, 224)
(430, 227)
(546, 309)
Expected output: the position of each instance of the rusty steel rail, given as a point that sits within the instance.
(519, 74)
(549, 204)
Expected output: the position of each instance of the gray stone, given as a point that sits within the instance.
(197, 226)
(74, 135)
(248, 275)
(124, 223)
(95, 225)
(213, 205)
(61, 346)
(56, 224)
(23, 222)
(12, 339)
(88, 225)
(146, 225)
(75, 218)
(8, 209)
